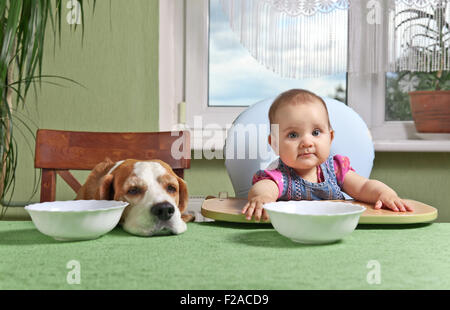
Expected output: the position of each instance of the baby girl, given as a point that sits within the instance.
(305, 170)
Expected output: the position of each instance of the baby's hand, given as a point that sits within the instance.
(393, 202)
(255, 207)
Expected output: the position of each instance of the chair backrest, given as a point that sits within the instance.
(59, 151)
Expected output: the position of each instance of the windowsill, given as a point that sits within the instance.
(412, 145)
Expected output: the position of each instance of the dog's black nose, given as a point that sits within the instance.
(163, 210)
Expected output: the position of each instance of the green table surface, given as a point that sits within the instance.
(219, 255)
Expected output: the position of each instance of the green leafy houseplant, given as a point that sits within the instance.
(430, 103)
(22, 33)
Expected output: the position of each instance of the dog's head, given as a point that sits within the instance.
(156, 195)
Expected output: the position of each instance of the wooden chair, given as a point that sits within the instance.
(59, 151)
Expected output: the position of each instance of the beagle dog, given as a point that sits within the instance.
(157, 197)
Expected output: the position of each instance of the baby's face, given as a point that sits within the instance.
(304, 140)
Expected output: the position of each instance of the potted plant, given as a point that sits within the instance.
(430, 103)
(22, 33)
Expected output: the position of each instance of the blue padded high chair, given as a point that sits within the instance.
(352, 139)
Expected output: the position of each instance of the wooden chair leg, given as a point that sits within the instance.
(48, 185)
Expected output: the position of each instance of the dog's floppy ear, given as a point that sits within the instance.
(106, 188)
(96, 180)
(183, 195)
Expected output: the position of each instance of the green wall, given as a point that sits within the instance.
(118, 64)
(423, 177)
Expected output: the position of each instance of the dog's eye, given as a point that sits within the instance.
(171, 189)
(134, 191)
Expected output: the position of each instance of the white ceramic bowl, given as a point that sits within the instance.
(314, 222)
(76, 219)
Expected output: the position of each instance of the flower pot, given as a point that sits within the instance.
(431, 110)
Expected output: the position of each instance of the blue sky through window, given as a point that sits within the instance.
(237, 79)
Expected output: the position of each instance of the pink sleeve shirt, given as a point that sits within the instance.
(341, 167)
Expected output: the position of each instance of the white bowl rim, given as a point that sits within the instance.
(116, 204)
(271, 207)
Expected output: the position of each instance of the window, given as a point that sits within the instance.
(397, 99)
(237, 79)
(194, 66)
(383, 107)
(423, 39)
(217, 93)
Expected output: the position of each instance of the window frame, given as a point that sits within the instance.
(365, 94)
(197, 51)
(171, 72)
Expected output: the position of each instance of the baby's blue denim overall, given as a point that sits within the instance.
(296, 188)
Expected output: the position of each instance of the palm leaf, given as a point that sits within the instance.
(9, 35)
(23, 31)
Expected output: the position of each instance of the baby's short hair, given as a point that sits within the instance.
(295, 96)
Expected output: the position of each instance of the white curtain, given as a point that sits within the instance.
(307, 38)
(419, 35)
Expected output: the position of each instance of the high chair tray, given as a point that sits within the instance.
(229, 210)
